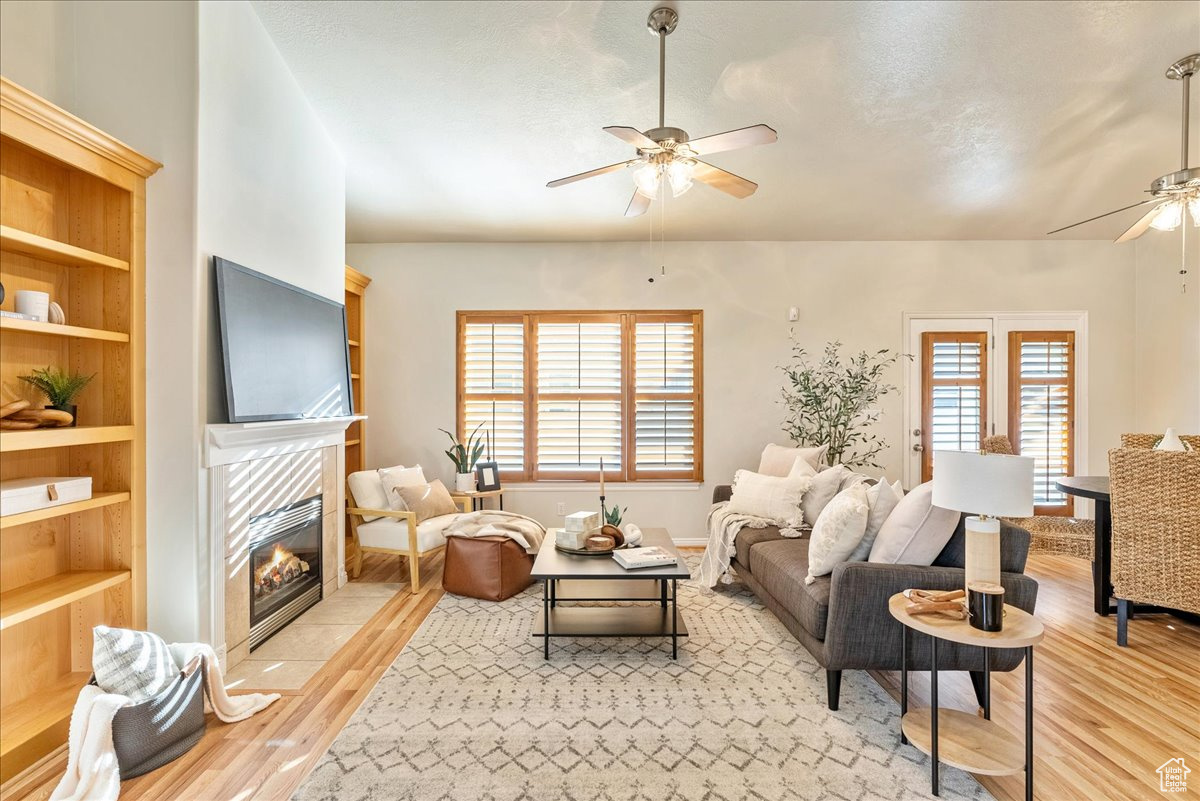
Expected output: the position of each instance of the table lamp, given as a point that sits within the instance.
(989, 485)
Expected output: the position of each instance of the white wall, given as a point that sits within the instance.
(1167, 375)
(850, 291)
(248, 173)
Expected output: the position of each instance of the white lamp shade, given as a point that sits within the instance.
(983, 483)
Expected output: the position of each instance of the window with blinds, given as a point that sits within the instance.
(954, 393)
(1041, 413)
(557, 392)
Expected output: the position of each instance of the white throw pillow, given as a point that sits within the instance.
(916, 531)
(825, 485)
(133, 663)
(769, 497)
(838, 531)
(882, 498)
(396, 477)
(366, 490)
(777, 460)
(850, 478)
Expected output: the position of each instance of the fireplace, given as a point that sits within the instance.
(284, 566)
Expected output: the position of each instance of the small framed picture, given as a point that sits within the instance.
(487, 476)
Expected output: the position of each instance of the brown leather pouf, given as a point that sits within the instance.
(488, 568)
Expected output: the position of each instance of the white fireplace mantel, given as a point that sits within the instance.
(227, 443)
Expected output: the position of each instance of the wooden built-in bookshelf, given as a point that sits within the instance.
(356, 290)
(72, 223)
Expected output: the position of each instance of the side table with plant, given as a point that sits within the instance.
(465, 455)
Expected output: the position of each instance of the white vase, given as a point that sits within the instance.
(464, 482)
(1171, 442)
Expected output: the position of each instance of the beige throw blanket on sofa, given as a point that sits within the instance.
(525, 531)
(723, 528)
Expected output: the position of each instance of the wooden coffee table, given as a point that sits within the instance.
(573, 579)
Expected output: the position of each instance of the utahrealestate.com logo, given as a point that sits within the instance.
(1172, 776)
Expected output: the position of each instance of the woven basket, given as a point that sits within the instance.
(1156, 527)
(152, 733)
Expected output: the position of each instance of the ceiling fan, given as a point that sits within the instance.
(1176, 194)
(666, 155)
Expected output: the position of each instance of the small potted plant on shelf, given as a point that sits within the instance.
(60, 388)
(464, 456)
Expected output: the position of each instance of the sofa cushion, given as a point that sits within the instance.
(778, 460)
(749, 537)
(916, 531)
(366, 490)
(780, 567)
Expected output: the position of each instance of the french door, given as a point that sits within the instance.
(1015, 374)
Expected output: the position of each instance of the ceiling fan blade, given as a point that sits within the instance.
(1139, 227)
(1106, 214)
(727, 182)
(599, 171)
(637, 205)
(634, 137)
(732, 140)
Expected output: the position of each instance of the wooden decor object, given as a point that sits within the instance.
(356, 443)
(72, 224)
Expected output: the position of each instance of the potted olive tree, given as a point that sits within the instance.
(835, 401)
(60, 388)
(464, 456)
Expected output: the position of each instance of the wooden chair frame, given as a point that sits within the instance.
(411, 553)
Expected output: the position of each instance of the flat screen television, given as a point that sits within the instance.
(285, 350)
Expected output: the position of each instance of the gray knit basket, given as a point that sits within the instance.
(150, 734)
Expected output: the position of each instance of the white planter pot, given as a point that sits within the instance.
(464, 482)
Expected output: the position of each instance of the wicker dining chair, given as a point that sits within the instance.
(1066, 536)
(1155, 529)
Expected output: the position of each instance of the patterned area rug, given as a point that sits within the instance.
(471, 712)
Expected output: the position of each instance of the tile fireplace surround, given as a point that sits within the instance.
(260, 467)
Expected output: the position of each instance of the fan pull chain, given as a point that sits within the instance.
(1183, 256)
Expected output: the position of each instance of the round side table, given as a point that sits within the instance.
(960, 739)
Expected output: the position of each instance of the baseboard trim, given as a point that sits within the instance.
(690, 542)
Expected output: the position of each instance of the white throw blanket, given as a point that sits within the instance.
(723, 527)
(92, 770)
(524, 531)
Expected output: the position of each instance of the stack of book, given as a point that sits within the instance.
(652, 556)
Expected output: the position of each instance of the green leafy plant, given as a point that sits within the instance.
(835, 401)
(613, 515)
(465, 455)
(59, 386)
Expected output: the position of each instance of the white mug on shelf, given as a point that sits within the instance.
(35, 304)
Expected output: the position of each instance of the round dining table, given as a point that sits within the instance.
(1096, 488)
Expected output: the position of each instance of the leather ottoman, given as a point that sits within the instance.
(488, 568)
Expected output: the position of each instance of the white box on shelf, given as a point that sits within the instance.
(27, 494)
(582, 521)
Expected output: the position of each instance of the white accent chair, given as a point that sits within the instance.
(377, 528)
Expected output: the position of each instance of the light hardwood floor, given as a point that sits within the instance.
(1105, 718)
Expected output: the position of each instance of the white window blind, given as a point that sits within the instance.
(1041, 410)
(493, 382)
(559, 391)
(579, 382)
(665, 402)
(955, 389)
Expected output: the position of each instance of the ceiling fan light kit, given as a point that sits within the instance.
(667, 156)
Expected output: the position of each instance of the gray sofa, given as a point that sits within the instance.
(843, 618)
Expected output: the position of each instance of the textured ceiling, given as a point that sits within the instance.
(937, 120)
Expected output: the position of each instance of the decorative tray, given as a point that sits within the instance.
(585, 552)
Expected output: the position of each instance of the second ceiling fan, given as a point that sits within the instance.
(665, 155)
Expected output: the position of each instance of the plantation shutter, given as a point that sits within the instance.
(954, 387)
(666, 396)
(1042, 410)
(579, 395)
(492, 381)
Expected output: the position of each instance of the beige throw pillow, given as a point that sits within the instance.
(769, 497)
(393, 478)
(825, 485)
(838, 531)
(427, 500)
(778, 461)
(916, 531)
(882, 498)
